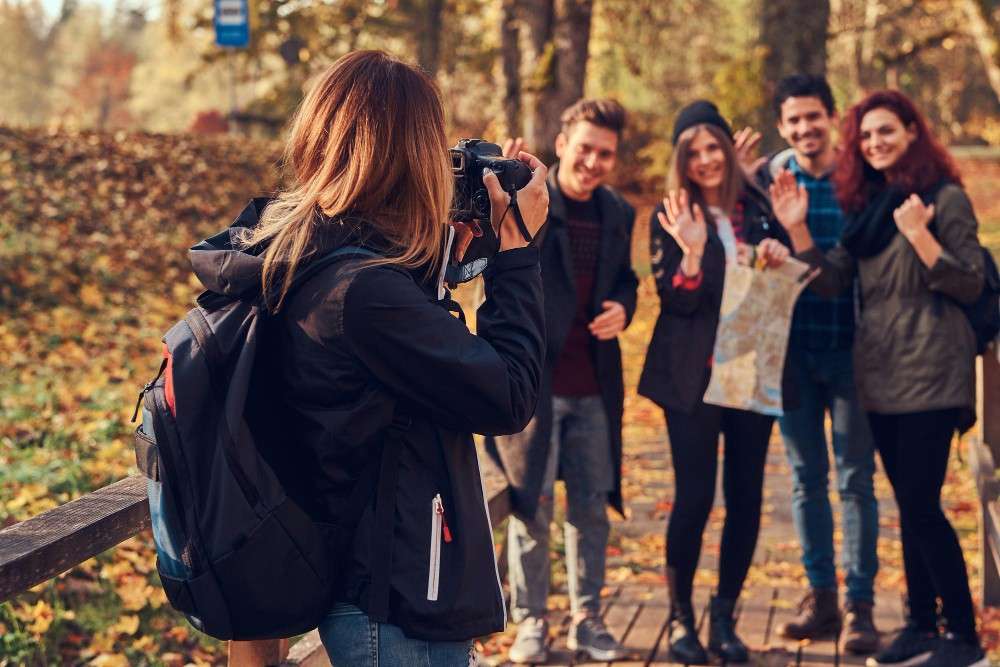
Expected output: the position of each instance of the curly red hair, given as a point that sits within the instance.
(924, 164)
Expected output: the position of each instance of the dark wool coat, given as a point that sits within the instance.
(677, 371)
(523, 456)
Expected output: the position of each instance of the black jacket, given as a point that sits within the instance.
(360, 346)
(523, 456)
(677, 372)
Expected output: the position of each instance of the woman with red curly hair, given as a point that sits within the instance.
(911, 241)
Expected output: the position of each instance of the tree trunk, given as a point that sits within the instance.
(510, 56)
(557, 40)
(986, 34)
(794, 35)
(428, 21)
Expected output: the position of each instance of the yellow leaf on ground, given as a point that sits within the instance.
(126, 625)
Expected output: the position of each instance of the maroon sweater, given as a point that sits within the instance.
(574, 373)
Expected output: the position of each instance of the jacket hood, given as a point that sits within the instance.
(222, 265)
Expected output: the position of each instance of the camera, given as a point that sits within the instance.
(471, 203)
(468, 159)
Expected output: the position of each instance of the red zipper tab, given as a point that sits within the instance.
(439, 508)
(445, 530)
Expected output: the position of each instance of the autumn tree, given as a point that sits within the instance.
(793, 34)
(546, 43)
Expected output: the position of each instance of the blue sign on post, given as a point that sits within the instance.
(232, 23)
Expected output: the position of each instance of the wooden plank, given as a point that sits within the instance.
(989, 406)
(46, 545)
(645, 638)
(753, 611)
(307, 652)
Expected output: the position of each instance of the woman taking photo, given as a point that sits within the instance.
(712, 215)
(911, 240)
(363, 345)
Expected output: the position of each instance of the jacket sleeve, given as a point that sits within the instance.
(837, 269)
(958, 272)
(626, 282)
(676, 297)
(486, 383)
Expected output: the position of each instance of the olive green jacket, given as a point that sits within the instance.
(914, 349)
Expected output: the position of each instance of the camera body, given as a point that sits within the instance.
(468, 160)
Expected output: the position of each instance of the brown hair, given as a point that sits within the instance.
(606, 113)
(368, 140)
(733, 183)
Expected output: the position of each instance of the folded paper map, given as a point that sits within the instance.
(752, 337)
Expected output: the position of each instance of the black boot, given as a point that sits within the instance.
(722, 639)
(685, 647)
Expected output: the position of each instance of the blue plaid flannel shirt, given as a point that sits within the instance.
(819, 323)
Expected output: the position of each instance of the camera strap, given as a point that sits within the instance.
(523, 228)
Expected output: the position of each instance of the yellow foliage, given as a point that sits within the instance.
(126, 625)
(134, 591)
(38, 617)
(109, 660)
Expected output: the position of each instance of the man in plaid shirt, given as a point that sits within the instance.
(819, 354)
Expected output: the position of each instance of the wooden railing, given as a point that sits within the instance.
(984, 461)
(44, 546)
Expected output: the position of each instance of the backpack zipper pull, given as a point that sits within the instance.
(439, 510)
(147, 387)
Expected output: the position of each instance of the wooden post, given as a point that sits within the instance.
(989, 442)
(266, 653)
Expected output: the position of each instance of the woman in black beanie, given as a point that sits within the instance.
(712, 216)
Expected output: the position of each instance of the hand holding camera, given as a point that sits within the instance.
(509, 192)
(532, 199)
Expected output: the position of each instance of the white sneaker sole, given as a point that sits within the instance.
(528, 659)
(912, 662)
(596, 654)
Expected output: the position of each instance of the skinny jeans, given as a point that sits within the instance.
(914, 448)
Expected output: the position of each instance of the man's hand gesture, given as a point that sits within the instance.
(789, 200)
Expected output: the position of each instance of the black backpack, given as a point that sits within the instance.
(984, 312)
(234, 553)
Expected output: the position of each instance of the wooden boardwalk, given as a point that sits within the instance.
(635, 608)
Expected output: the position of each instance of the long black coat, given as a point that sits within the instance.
(523, 456)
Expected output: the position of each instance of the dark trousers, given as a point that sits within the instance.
(914, 449)
(694, 446)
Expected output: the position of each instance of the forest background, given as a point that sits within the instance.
(126, 135)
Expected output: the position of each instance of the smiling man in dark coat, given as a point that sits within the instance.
(590, 297)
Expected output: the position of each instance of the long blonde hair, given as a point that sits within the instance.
(368, 140)
(733, 182)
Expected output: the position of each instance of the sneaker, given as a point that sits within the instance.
(860, 636)
(911, 647)
(953, 651)
(590, 636)
(531, 643)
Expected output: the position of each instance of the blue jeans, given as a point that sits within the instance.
(581, 451)
(351, 639)
(825, 381)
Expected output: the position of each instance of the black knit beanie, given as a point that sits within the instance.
(700, 112)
